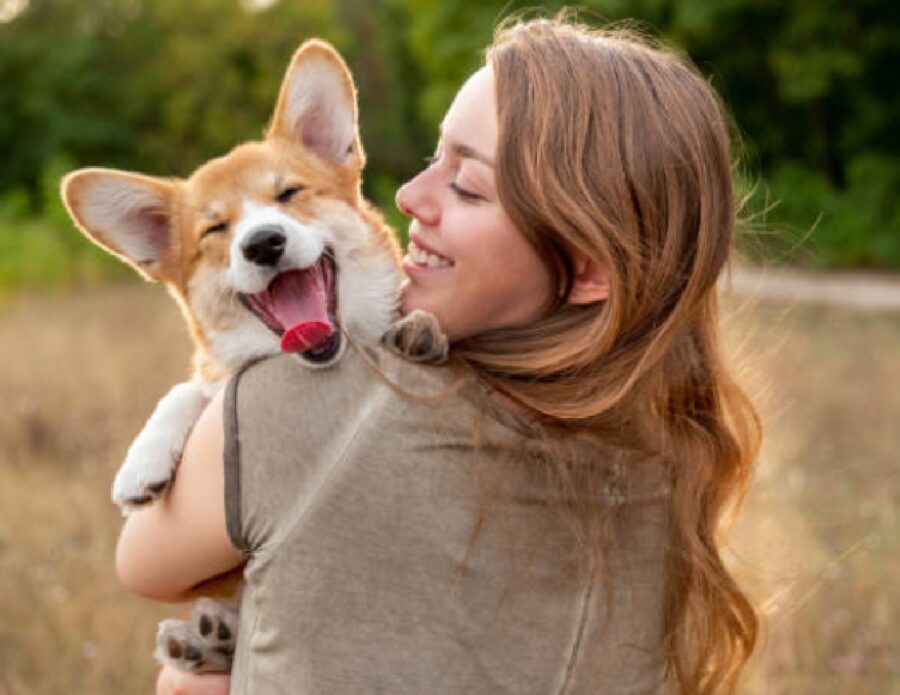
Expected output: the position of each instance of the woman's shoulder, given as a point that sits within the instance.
(362, 372)
(393, 390)
(270, 382)
(360, 366)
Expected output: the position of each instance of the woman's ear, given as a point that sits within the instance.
(591, 283)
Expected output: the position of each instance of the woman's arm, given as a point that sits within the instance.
(181, 540)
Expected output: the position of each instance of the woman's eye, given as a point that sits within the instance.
(215, 229)
(463, 193)
(431, 159)
(288, 193)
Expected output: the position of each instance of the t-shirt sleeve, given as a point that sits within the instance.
(232, 456)
(283, 423)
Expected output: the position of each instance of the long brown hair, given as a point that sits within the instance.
(614, 147)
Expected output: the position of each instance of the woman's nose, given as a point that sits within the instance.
(414, 199)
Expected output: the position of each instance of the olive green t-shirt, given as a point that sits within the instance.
(354, 505)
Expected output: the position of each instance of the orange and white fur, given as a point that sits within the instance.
(240, 240)
(273, 233)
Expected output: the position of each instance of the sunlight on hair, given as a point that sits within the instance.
(10, 9)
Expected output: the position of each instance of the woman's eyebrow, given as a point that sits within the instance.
(465, 152)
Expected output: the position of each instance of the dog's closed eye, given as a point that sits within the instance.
(288, 193)
(215, 229)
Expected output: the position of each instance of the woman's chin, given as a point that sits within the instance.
(411, 298)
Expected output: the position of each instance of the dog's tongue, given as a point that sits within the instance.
(299, 300)
(305, 336)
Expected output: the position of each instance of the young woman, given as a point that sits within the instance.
(552, 523)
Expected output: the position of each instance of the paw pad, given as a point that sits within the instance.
(203, 643)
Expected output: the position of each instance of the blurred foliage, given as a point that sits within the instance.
(161, 86)
(45, 251)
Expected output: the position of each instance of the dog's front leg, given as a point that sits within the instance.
(153, 455)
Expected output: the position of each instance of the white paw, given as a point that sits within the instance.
(206, 642)
(147, 470)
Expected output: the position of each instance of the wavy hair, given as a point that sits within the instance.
(613, 147)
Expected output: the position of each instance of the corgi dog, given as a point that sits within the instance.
(269, 248)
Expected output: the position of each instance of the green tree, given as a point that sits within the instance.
(163, 85)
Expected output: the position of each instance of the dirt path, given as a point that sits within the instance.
(862, 291)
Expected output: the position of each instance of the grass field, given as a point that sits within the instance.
(818, 544)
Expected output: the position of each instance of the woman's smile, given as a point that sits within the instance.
(421, 257)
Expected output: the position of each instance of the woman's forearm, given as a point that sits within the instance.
(181, 540)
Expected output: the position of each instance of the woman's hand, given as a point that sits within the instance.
(174, 682)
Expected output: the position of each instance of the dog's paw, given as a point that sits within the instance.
(216, 623)
(147, 470)
(417, 337)
(178, 646)
(203, 643)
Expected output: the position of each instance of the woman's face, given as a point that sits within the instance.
(466, 262)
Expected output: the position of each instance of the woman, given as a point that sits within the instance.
(580, 207)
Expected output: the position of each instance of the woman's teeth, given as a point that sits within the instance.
(423, 258)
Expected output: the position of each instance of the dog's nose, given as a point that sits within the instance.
(265, 245)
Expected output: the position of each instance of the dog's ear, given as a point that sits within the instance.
(317, 106)
(127, 214)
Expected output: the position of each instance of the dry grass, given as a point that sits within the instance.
(817, 543)
(79, 375)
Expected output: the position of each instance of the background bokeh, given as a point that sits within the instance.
(160, 86)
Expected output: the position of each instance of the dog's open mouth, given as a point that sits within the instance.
(301, 306)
